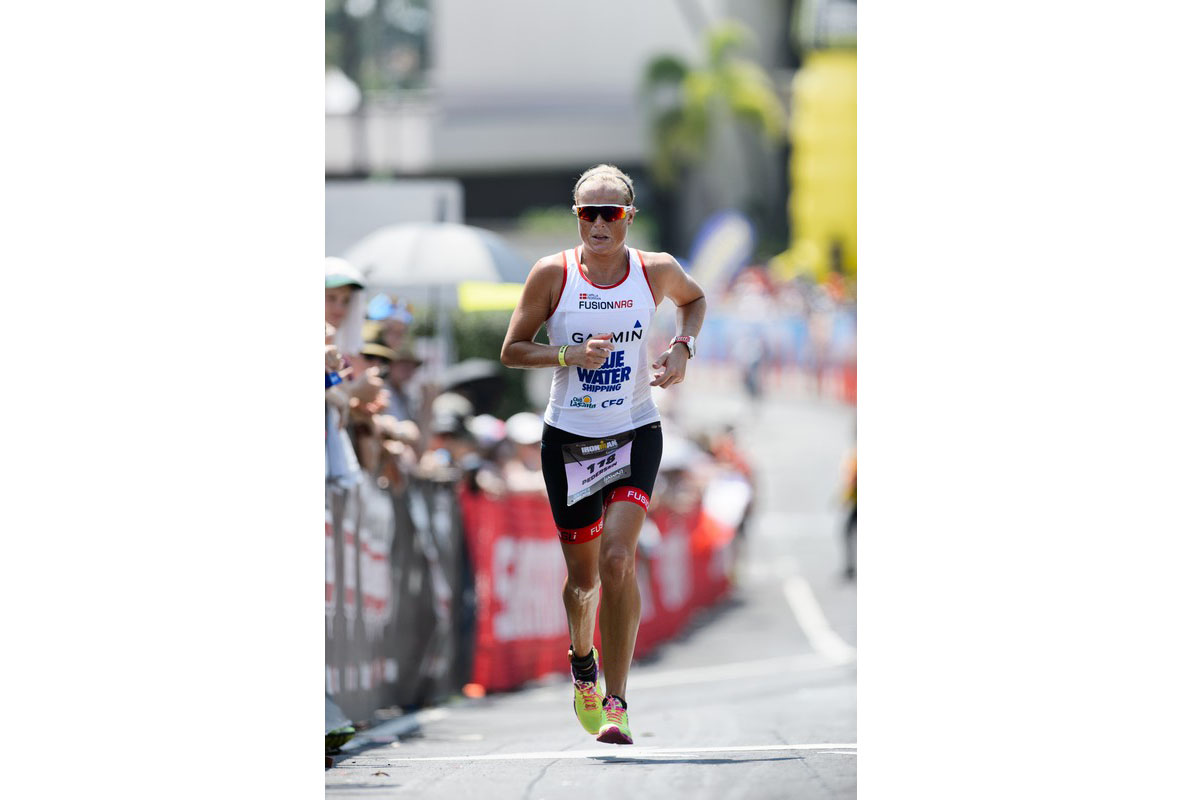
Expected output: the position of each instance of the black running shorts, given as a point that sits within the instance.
(583, 520)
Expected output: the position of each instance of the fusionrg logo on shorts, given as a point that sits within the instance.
(580, 534)
(636, 496)
(629, 494)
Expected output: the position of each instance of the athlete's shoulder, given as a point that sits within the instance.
(550, 262)
(657, 260)
(549, 268)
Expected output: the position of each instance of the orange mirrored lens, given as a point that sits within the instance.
(608, 213)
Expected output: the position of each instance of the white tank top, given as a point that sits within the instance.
(615, 397)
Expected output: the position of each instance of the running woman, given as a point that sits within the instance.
(602, 442)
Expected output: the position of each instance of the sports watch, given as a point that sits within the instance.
(689, 341)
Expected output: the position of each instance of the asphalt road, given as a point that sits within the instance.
(756, 700)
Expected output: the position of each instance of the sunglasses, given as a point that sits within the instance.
(609, 213)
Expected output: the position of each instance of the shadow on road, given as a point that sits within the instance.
(711, 761)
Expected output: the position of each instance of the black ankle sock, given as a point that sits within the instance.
(584, 666)
(621, 700)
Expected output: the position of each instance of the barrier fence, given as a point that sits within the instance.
(398, 596)
(440, 585)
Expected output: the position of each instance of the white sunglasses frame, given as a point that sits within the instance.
(575, 208)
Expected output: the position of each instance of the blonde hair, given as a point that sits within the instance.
(607, 172)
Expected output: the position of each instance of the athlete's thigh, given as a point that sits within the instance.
(581, 561)
(621, 525)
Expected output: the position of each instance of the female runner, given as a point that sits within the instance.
(601, 445)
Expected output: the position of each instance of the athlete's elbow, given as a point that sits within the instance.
(506, 355)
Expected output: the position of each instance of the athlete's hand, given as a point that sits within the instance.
(593, 354)
(670, 367)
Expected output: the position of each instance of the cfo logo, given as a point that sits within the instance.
(618, 401)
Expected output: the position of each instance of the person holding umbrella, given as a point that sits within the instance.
(602, 439)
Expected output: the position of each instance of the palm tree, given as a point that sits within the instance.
(690, 106)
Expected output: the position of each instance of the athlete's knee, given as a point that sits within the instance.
(616, 565)
(582, 582)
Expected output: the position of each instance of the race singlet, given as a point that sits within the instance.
(617, 395)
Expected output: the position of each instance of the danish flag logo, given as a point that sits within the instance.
(582, 296)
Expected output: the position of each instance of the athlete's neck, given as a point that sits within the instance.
(605, 270)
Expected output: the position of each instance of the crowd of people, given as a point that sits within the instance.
(383, 417)
(770, 324)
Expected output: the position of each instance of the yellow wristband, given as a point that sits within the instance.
(561, 355)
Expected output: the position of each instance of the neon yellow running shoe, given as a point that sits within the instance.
(588, 697)
(615, 729)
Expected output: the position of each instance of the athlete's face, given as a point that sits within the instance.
(602, 237)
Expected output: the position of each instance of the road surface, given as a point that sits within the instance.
(756, 700)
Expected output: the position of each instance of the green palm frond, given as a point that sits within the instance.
(685, 101)
(664, 69)
(727, 39)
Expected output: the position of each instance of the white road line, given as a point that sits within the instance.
(632, 752)
(814, 624)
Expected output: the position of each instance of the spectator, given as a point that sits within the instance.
(344, 306)
(396, 438)
(494, 449)
(522, 470)
(395, 317)
(403, 364)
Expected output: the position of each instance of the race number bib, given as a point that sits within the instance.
(594, 463)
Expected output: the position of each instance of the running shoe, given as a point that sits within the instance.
(588, 697)
(615, 729)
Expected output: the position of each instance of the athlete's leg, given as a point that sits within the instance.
(580, 593)
(619, 619)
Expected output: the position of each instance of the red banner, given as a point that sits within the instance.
(521, 628)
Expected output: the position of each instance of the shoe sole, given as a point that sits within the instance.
(613, 735)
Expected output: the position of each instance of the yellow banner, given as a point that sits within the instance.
(482, 296)
(823, 167)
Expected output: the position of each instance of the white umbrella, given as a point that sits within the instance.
(440, 254)
(426, 263)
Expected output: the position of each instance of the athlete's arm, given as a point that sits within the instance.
(668, 279)
(542, 290)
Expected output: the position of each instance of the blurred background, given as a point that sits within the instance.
(454, 134)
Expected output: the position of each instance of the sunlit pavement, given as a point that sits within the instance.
(756, 700)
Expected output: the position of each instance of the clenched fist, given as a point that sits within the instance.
(593, 354)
